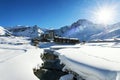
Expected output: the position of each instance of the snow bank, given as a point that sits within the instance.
(18, 60)
(20, 67)
(92, 62)
(91, 55)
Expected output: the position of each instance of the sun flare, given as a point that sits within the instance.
(105, 14)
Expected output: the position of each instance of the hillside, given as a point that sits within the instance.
(111, 31)
(4, 32)
(26, 31)
(86, 30)
(82, 29)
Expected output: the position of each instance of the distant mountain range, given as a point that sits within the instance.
(110, 32)
(26, 31)
(86, 30)
(82, 29)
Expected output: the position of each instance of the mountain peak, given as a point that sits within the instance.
(4, 32)
(81, 22)
(27, 31)
(84, 21)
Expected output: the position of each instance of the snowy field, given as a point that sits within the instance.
(18, 58)
(92, 61)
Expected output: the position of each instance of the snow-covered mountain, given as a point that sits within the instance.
(26, 31)
(86, 30)
(111, 31)
(82, 29)
(4, 32)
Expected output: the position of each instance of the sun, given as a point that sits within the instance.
(105, 14)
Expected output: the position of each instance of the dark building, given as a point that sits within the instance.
(48, 36)
(66, 40)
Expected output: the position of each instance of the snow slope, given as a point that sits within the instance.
(86, 30)
(4, 32)
(91, 55)
(20, 66)
(18, 60)
(82, 29)
(111, 31)
(92, 62)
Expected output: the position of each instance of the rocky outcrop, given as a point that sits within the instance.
(51, 68)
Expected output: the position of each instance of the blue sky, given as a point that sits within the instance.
(46, 13)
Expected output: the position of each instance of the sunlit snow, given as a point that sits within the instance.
(18, 60)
